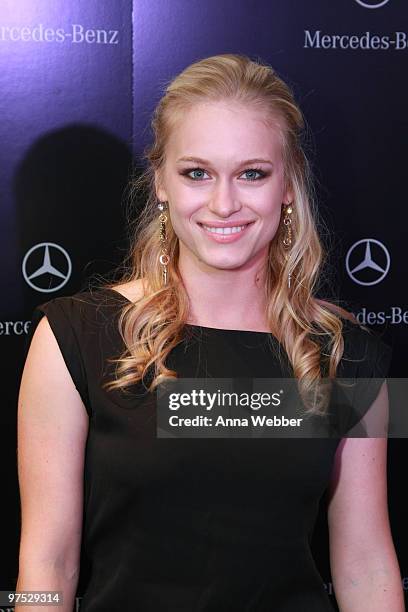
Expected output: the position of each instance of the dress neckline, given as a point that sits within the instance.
(215, 329)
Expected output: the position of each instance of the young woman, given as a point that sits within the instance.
(220, 282)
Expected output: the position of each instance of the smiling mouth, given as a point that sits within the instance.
(225, 230)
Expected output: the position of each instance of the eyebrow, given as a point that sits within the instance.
(199, 160)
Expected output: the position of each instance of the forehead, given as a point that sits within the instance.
(224, 130)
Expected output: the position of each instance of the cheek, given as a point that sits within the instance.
(271, 219)
(269, 204)
(272, 226)
(184, 207)
(181, 220)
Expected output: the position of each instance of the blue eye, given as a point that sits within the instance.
(194, 170)
(253, 170)
(258, 171)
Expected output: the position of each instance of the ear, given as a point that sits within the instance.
(288, 196)
(160, 191)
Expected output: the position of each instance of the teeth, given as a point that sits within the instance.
(224, 230)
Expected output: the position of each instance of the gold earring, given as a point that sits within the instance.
(164, 257)
(287, 240)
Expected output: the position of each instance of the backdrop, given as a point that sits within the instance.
(79, 81)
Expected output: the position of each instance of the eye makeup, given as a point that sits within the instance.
(262, 173)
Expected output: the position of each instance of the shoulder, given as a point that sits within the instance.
(132, 290)
(77, 311)
(89, 308)
(366, 353)
(337, 310)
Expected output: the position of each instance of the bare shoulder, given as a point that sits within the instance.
(133, 290)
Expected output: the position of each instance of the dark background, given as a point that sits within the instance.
(78, 83)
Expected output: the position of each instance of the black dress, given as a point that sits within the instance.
(194, 525)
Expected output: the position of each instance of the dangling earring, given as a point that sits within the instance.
(287, 240)
(164, 257)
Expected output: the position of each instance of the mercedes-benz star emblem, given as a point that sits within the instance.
(367, 261)
(44, 263)
(374, 4)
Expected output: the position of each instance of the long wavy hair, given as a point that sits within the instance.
(309, 329)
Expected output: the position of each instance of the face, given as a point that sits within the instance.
(210, 180)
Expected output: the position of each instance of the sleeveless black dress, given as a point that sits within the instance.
(194, 525)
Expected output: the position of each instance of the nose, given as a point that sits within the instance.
(223, 201)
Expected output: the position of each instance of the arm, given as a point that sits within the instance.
(364, 566)
(52, 431)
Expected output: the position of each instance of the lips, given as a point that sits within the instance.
(226, 233)
(226, 224)
(225, 230)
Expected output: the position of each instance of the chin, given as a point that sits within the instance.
(224, 264)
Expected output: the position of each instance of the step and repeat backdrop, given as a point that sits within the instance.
(78, 83)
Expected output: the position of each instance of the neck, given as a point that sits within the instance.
(234, 298)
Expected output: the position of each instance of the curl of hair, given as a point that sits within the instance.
(304, 325)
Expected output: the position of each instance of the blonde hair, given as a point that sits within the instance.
(153, 325)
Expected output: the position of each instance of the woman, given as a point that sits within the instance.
(220, 282)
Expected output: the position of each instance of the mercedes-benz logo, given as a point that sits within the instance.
(46, 261)
(374, 4)
(367, 259)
